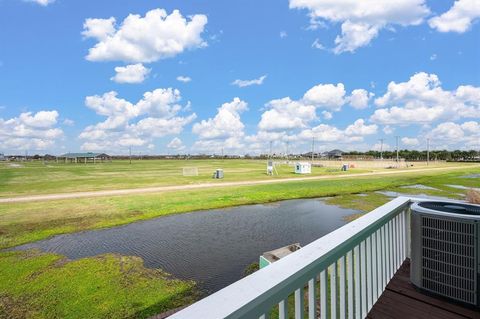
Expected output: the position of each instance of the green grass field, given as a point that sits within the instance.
(38, 178)
(41, 285)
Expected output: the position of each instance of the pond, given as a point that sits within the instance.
(212, 247)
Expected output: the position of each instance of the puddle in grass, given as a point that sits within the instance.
(212, 247)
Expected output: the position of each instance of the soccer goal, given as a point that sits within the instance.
(190, 171)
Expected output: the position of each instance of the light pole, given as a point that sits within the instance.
(396, 138)
(428, 151)
(381, 148)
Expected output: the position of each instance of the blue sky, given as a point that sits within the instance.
(199, 76)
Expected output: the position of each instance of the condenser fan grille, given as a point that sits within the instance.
(448, 258)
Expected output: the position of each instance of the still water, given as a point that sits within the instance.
(212, 247)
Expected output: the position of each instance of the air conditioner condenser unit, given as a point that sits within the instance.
(445, 252)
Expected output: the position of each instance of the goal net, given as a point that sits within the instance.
(190, 171)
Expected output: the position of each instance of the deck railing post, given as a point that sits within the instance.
(312, 299)
(408, 231)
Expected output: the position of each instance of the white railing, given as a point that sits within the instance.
(340, 275)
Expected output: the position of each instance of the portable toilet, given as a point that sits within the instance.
(303, 168)
(345, 167)
(270, 168)
(218, 173)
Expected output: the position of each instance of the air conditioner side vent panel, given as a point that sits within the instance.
(448, 257)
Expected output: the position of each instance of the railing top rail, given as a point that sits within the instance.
(255, 293)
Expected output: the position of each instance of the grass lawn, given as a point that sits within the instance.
(40, 285)
(37, 285)
(38, 178)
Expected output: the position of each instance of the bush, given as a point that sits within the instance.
(250, 269)
(473, 196)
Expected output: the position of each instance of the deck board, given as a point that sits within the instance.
(401, 300)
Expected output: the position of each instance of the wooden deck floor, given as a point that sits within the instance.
(401, 300)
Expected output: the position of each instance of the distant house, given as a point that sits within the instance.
(335, 154)
(48, 157)
(84, 157)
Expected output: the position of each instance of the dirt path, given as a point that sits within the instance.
(159, 189)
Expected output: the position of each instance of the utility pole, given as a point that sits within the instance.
(381, 148)
(130, 154)
(222, 153)
(396, 138)
(428, 151)
(313, 147)
(287, 149)
(270, 149)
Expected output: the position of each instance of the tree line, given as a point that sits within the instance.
(413, 155)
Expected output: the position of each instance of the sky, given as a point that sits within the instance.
(178, 77)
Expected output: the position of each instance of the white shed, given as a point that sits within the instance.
(303, 168)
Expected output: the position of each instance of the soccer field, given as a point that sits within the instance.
(30, 178)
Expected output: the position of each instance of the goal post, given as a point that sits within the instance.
(190, 171)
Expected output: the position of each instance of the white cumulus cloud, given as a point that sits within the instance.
(157, 35)
(226, 123)
(225, 131)
(359, 98)
(156, 115)
(459, 18)
(361, 21)
(176, 144)
(133, 73)
(286, 114)
(422, 100)
(410, 141)
(30, 131)
(327, 96)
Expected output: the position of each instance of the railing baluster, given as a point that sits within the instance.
(390, 250)
(312, 300)
(333, 290)
(368, 254)
(394, 248)
(363, 275)
(402, 237)
(408, 232)
(397, 246)
(383, 262)
(379, 263)
(357, 283)
(323, 295)
(384, 255)
(350, 284)
(341, 278)
(374, 267)
(299, 303)
(405, 234)
(283, 309)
